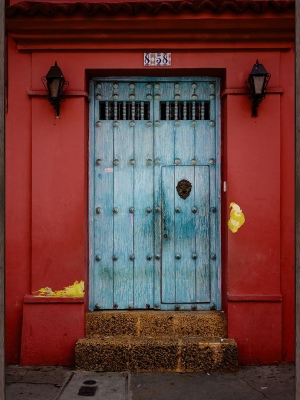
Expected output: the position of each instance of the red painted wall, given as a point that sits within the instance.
(50, 331)
(18, 198)
(47, 182)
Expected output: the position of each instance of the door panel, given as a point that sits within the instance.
(185, 235)
(123, 219)
(202, 233)
(163, 155)
(143, 205)
(104, 199)
(168, 272)
(151, 247)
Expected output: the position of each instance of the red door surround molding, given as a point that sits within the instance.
(47, 160)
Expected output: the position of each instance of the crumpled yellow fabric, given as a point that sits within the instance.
(237, 218)
(75, 290)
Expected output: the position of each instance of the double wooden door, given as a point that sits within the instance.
(154, 194)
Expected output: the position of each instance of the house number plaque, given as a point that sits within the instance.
(157, 59)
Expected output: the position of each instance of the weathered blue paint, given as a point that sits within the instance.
(202, 233)
(143, 199)
(148, 254)
(186, 279)
(103, 187)
(185, 239)
(168, 262)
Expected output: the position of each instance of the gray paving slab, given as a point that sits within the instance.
(56, 383)
(196, 386)
(31, 391)
(276, 382)
(25, 383)
(51, 375)
(250, 383)
(14, 373)
(110, 386)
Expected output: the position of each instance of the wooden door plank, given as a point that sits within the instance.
(143, 200)
(123, 220)
(163, 155)
(204, 142)
(123, 201)
(202, 90)
(103, 269)
(106, 91)
(205, 150)
(103, 176)
(184, 131)
(202, 231)
(168, 236)
(185, 238)
(184, 220)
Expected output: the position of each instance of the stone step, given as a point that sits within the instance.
(149, 354)
(157, 323)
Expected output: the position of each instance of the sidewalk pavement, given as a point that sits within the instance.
(59, 383)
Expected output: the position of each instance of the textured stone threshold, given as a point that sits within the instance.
(157, 323)
(152, 354)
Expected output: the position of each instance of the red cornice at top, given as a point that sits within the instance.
(111, 7)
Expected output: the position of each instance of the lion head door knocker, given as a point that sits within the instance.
(184, 188)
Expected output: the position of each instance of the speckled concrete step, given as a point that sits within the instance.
(150, 354)
(157, 323)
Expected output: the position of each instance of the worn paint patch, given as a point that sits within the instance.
(131, 219)
(75, 290)
(237, 218)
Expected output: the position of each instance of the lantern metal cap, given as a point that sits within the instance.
(258, 69)
(54, 72)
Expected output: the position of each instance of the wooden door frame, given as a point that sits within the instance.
(2, 198)
(297, 199)
(92, 82)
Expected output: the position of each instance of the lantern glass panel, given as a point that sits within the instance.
(54, 88)
(258, 82)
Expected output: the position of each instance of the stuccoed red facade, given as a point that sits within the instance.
(47, 159)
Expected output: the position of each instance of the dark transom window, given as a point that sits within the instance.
(185, 110)
(124, 110)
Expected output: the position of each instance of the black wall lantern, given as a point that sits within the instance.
(256, 84)
(56, 85)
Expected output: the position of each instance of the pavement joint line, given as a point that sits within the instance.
(127, 385)
(36, 383)
(256, 390)
(65, 384)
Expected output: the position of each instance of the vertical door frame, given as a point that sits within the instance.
(2, 199)
(297, 199)
(91, 193)
(92, 83)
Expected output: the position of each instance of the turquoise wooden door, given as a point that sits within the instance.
(154, 194)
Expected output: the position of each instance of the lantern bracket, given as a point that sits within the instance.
(55, 85)
(256, 84)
